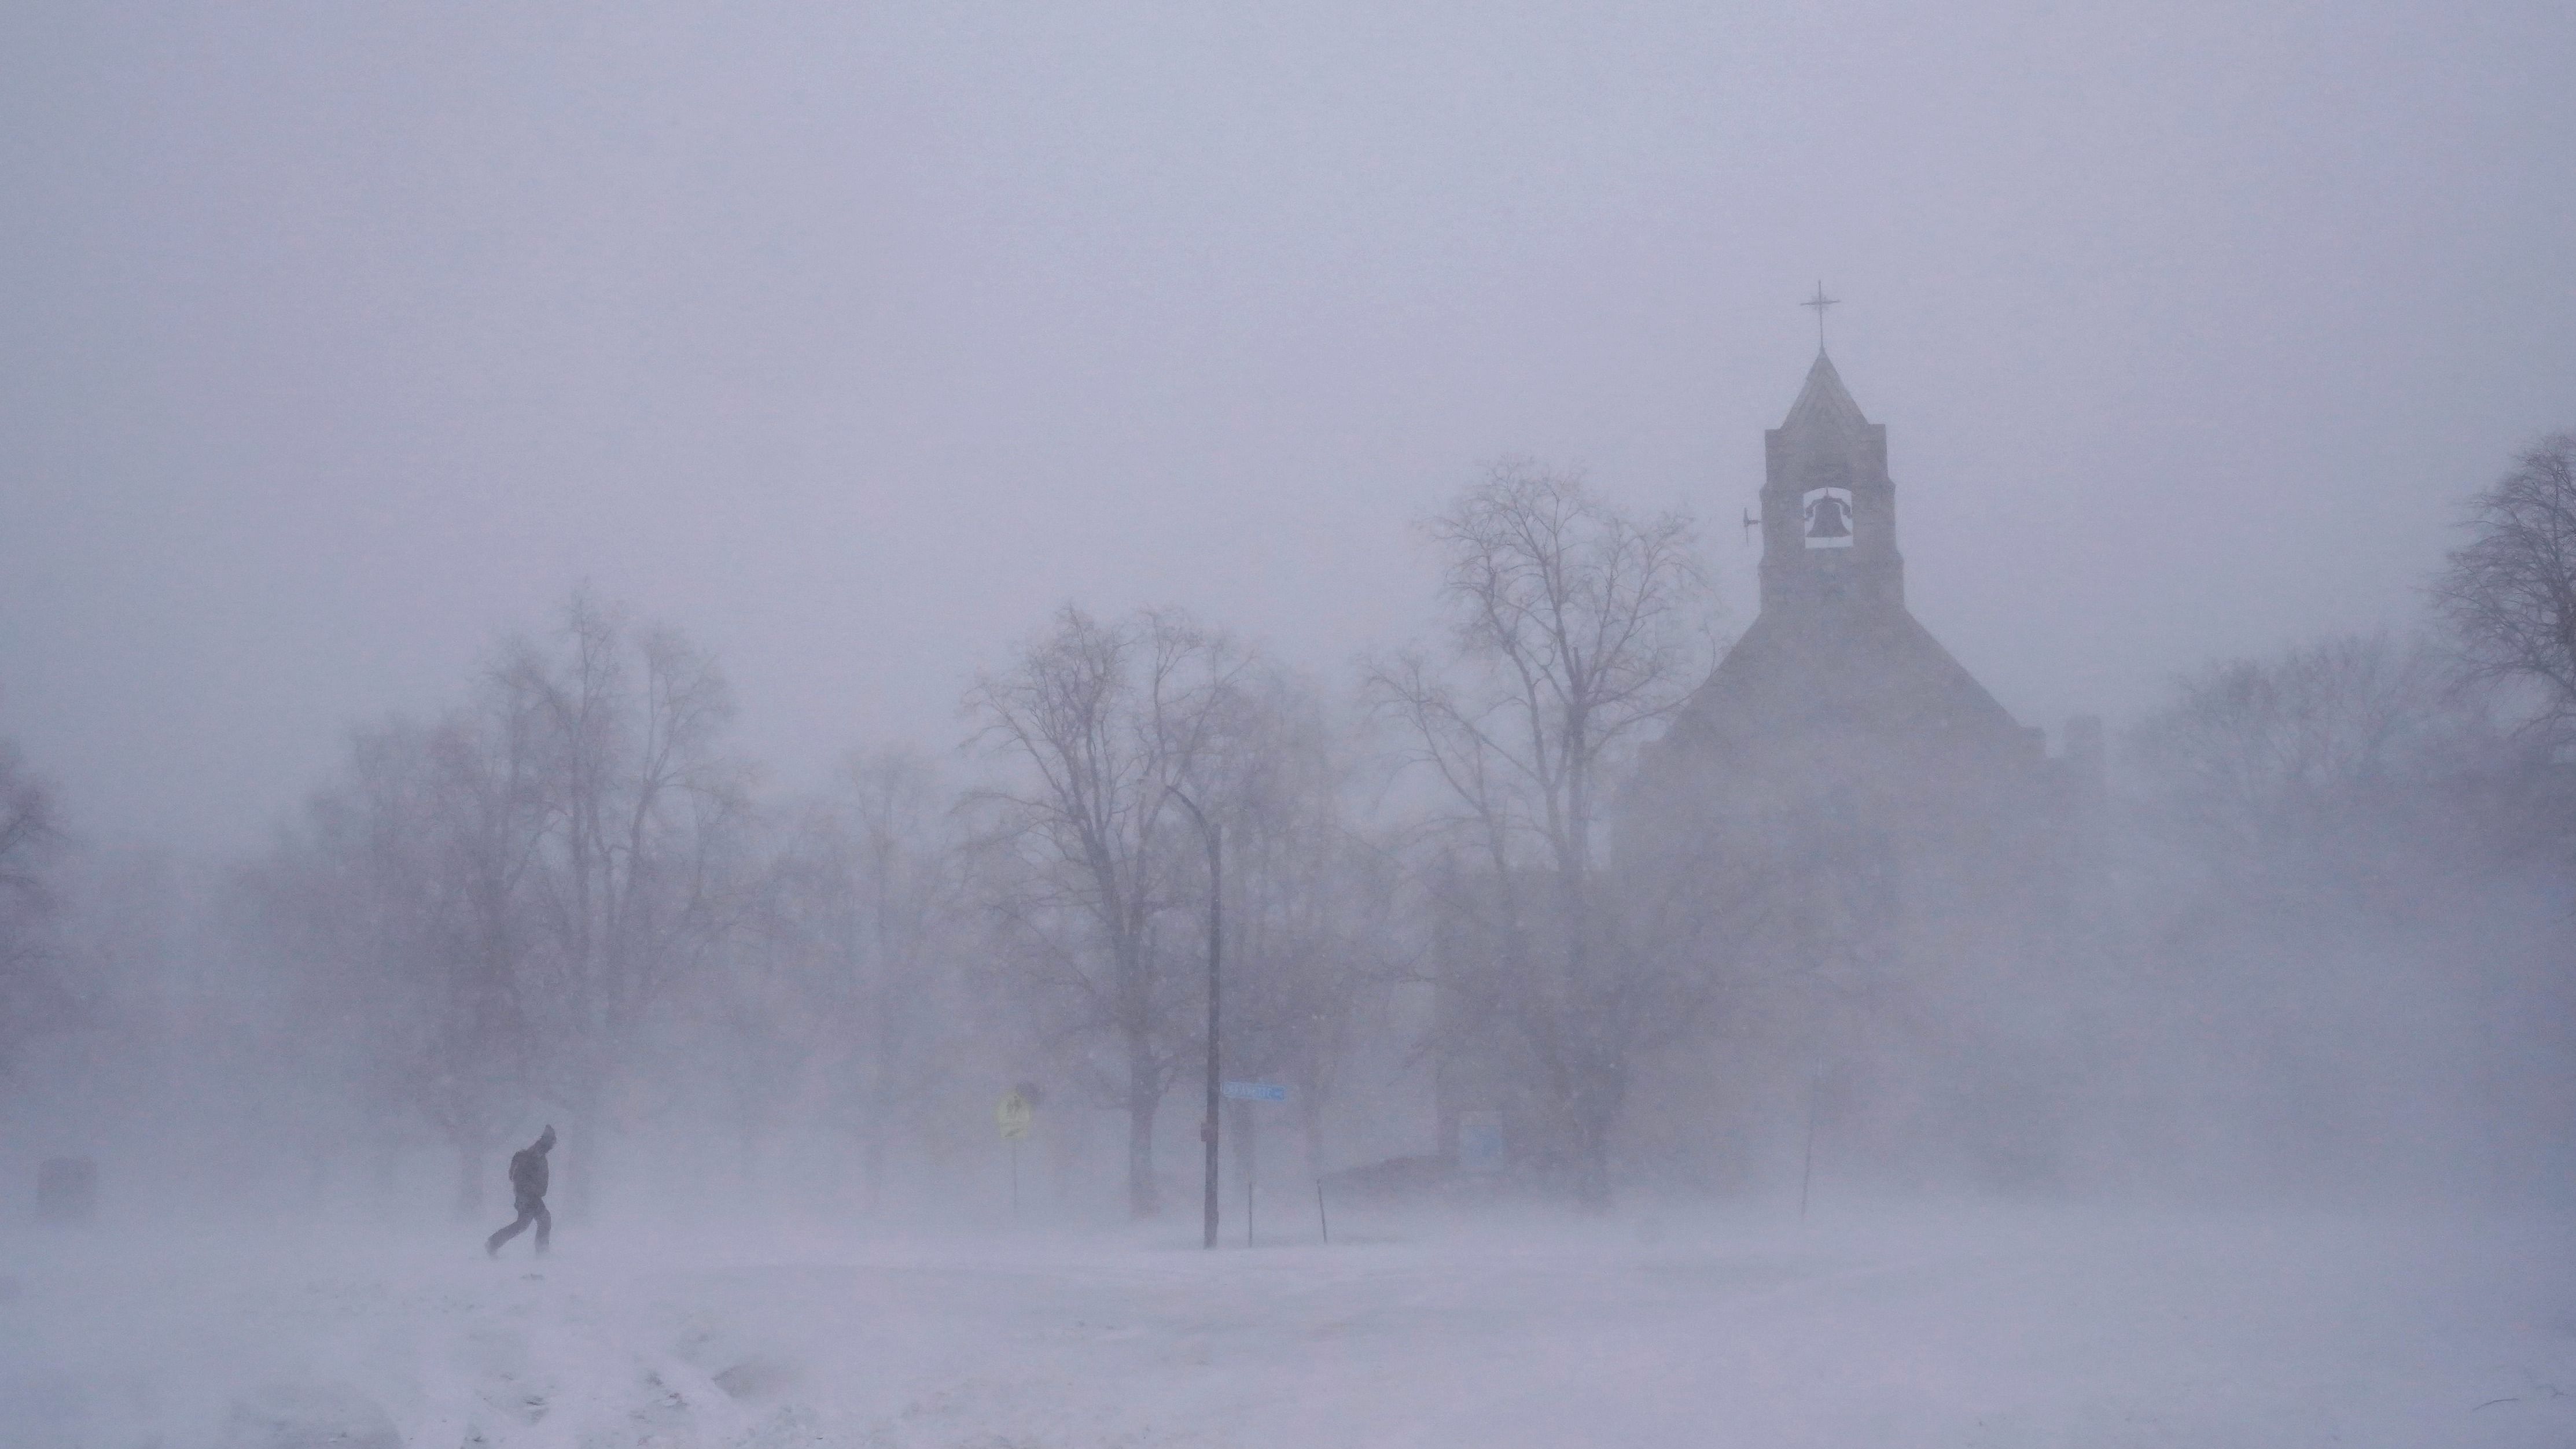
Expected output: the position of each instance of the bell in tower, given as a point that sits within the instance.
(1832, 538)
(1829, 517)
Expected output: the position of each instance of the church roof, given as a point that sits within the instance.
(1839, 654)
(1875, 672)
(1835, 692)
(1824, 405)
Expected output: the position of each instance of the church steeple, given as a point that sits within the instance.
(1824, 408)
(1828, 506)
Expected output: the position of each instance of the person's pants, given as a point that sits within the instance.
(531, 1210)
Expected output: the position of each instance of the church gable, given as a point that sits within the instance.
(1824, 410)
(1837, 731)
(1882, 675)
(1834, 650)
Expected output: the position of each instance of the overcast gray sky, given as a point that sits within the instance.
(336, 340)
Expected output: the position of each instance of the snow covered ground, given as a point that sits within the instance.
(1967, 1325)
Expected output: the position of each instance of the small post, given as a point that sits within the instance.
(1251, 1170)
(1321, 1217)
(1807, 1168)
(1015, 1179)
(1214, 836)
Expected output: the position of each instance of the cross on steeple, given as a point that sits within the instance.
(1820, 302)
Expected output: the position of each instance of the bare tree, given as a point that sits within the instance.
(489, 911)
(1575, 629)
(865, 909)
(30, 843)
(2510, 592)
(2351, 769)
(399, 901)
(1103, 721)
(636, 880)
(486, 827)
(1310, 904)
(2331, 849)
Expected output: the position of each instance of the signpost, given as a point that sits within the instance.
(1018, 1108)
(1248, 1093)
(1214, 835)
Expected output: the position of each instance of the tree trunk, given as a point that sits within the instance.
(1594, 1118)
(1143, 1197)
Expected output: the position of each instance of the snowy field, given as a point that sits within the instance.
(1966, 1326)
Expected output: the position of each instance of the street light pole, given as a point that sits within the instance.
(1214, 836)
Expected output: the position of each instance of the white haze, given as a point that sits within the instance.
(853, 379)
(339, 340)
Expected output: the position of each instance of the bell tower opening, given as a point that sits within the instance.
(1828, 506)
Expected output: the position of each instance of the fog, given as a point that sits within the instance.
(343, 340)
(1983, 862)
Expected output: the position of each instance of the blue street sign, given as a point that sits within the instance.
(1256, 1091)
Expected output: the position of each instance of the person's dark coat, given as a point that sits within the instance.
(528, 1185)
(528, 1170)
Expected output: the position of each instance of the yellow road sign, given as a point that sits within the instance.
(1014, 1115)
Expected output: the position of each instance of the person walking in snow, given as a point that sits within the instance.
(528, 1190)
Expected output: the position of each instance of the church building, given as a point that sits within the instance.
(1871, 821)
